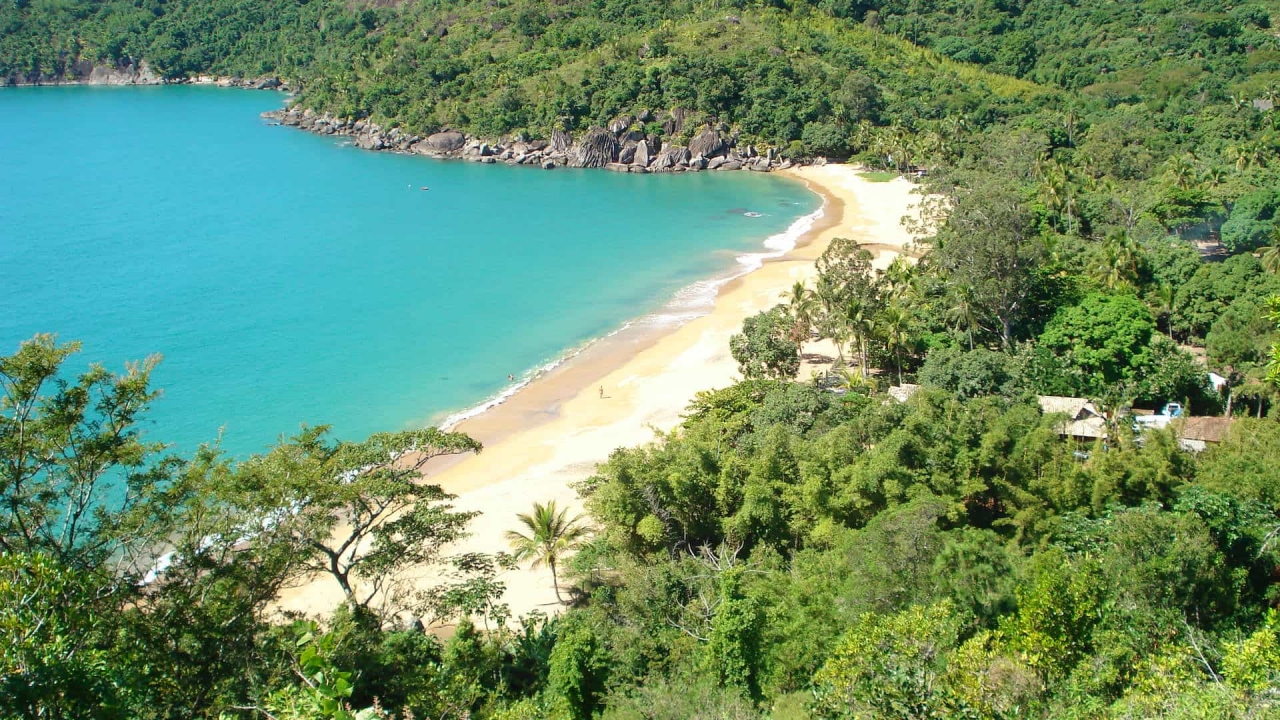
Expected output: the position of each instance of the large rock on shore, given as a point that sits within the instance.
(560, 142)
(708, 144)
(671, 158)
(618, 124)
(124, 74)
(443, 142)
(642, 155)
(598, 148)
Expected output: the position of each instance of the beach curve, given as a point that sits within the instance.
(557, 428)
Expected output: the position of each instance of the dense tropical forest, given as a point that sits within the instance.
(1100, 222)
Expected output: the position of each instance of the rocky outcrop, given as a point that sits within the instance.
(129, 72)
(443, 142)
(643, 155)
(619, 147)
(671, 159)
(707, 144)
(598, 148)
(620, 124)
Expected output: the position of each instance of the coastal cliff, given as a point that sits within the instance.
(130, 72)
(621, 146)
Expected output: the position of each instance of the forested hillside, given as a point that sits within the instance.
(1102, 224)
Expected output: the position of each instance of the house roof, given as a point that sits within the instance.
(1073, 407)
(903, 392)
(1208, 429)
(1091, 427)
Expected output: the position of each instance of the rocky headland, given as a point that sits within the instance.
(622, 146)
(128, 72)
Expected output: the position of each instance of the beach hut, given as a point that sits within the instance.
(1084, 421)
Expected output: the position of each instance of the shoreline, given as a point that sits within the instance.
(641, 332)
(556, 429)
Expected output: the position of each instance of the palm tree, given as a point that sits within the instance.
(962, 311)
(1166, 297)
(1119, 263)
(552, 535)
(895, 320)
(859, 320)
(1269, 256)
(803, 304)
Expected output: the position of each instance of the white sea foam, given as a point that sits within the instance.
(689, 302)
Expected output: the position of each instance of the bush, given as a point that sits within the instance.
(1252, 221)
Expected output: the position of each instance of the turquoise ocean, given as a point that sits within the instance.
(289, 278)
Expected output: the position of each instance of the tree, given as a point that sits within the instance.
(988, 248)
(48, 665)
(1103, 339)
(894, 324)
(890, 665)
(552, 535)
(361, 508)
(1252, 221)
(803, 305)
(765, 347)
(77, 480)
(970, 374)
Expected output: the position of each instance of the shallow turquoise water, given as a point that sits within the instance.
(290, 278)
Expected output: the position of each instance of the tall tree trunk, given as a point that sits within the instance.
(555, 582)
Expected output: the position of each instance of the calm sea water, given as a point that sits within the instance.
(290, 278)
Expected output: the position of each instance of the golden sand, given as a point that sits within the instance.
(554, 432)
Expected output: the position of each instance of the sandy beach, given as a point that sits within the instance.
(554, 432)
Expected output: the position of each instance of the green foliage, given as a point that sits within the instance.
(890, 666)
(765, 348)
(552, 535)
(578, 671)
(48, 666)
(971, 374)
(1252, 221)
(1100, 341)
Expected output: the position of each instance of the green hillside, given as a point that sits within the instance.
(1103, 225)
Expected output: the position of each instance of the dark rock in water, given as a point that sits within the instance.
(671, 157)
(697, 162)
(642, 155)
(598, 148)
(716, 163)
(447, 141)
(488, 160)
(560, 141)
(627, 155)
(548, 164)
(638, 169)
(731, 165)
(708, 144)
(619, 124)
(617, 167)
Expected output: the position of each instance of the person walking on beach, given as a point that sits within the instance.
(601, 392)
